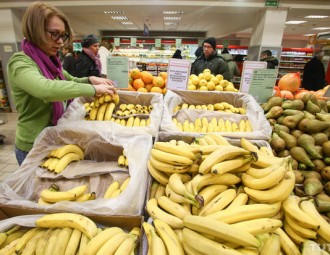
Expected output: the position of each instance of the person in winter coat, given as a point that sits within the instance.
(314, 73)
(272, 62)
(69, 60)
(88, 62)
(40, 87)
(177, 54)
(210, 59)
(233, 68)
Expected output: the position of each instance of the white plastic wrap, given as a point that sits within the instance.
(101, 146)
(254, 113)
(76, 111)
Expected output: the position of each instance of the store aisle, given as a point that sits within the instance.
(8, 163)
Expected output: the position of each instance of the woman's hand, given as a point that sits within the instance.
(102, 89)
(98, 81)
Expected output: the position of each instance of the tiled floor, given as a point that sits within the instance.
(8, 163)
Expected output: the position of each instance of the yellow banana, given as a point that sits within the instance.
(127, 246)
(101, 99)
(84, 240)
(52, 164)
(112, 187)
(143, 123)
(240, 199)
(31, 245)
(157, 213)
(275, 194)
(73, 243)
(147, 227)
(169, 237)
(170, 158)
(130, 121)
(211, 191)
(262, 172)
(209, 139)
(4, 235)
(157, 175)
(21, 243)
(246, 212)
(115, 99)
(115, 193)
(174, 149)
(71, 220)
(156, 245)
(110, 246)
(100, 239)
(56, 196)
(109, 111)
(272, 246)
(166, 167)
(153, 189)
(176, 184)
(62, 151)
(64, 235)
(78, 191)
(125, 183)
(101, 112)
(296, 238)
(301, 231)
(223, 153)
(258, 226)
(93, 113)
(42, 242)
(121, 160)
(123, 107)
(65, 161)
(230, 165)
(86, 197)
(220, 230)
(287, 245)
(136, 122)
(178, 198)
(292, 209)
(10, 248)
(172, 207)
(160, 191)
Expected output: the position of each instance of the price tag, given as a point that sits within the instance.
(178, 72)
(117, 71)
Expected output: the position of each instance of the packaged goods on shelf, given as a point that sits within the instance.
(98, 169)
(76, 112)
(253, 115)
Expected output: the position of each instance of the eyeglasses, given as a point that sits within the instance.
(207, 47)
(56, 36)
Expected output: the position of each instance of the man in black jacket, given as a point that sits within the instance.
(272, 62)
(209, 59)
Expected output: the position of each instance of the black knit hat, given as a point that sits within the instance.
(89, 40)
(212, 41)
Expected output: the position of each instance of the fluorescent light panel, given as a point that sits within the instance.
(171, 18)
(295, 22)
(316, 17)
(309, 34)
(172, 12)
(320, 28)
(170, 23)
(132, 28)
(127, 23)
(113, 12)
(119, 17)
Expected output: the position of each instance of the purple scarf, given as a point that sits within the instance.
(95, 58)
(50, 67)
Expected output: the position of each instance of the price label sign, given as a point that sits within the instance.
(262, 84)
(117, 71)
(248, 68)
(178, 72)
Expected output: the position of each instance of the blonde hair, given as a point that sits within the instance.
(35, 20)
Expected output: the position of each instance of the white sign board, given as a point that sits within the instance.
(178, 72)
(117, 71)
(248, 68)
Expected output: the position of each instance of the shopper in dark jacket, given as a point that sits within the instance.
(314, 73)
(272, 62)
(88, 62)
(210, 59)
(69, 60)
(177, 54)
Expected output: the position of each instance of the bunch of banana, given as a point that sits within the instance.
(54, 195)
(156, 190)
(4, 236)
(202, 125)
(220, 107)
(132, 121)
(122, 161)
(115, 188)
(126, 110)
(58, 159)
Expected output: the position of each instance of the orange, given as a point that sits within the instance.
(146, 77)
(148, 87)
(156, 89)
(138, 83)
(130, 88)
(130, 80)
(135, 73)
(163, 75)
(158, 82)
(144, 90)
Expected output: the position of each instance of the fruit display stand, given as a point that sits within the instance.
(96, 170)
(254, 113)
(76, 112)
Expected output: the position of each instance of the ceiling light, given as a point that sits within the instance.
(172, 18)
(119, 17)
(127, 23)
(295, 22)
(132, 28)
(113, 12)
(316, 17)
(170, 23)
(321, 28)
(172, 12)
(309, 34)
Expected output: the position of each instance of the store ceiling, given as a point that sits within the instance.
(222, 19)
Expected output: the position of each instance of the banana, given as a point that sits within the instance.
(55, 196)
(13, 236)
(48, 247)
(153, 189)
(41, 244)
(156, 245)
(178, 198)
(86, 197)
(71, 220)
(272, 246)
(123, 107)
(121, 160)
(143, 122)
(258, 226)
(73, 243)
(189, 250)
(101, 99)
(31, 245)
(174, 149)
(296, 238)
(147, 227)
(211, 191)
(115, 193)
(65, 161)
(309, 208)
(172, 207)
(169, 237)
(287, 245)
(111, 245)
(170, 158)
(202, 244)
(267, 182)
(267, 150)
(93, 113)
(240, 199)
(25, 239)
(10, 248)
(46, 163)
(78, 191)
(157, 175)
(176, 184)
(230, 165)
(218, 203)
(115, 99)
(127, 246)
(209, 139)
(223, 153)
(292, 209)
(112, 187)
(246, 212)
(62, 151)
(277, 193)
(166, 167)
(64, 235)
(52, 164)
(100, 239)
(109, 111)
(157, 213)
(136, 122)
(208, 149)
(84, 240)
(130, 121)
(125, 183)
(5, 235)
(101, 112)
(160, 191)
(301, 231)
(262, 172)
(220, 230)
(126, 162)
